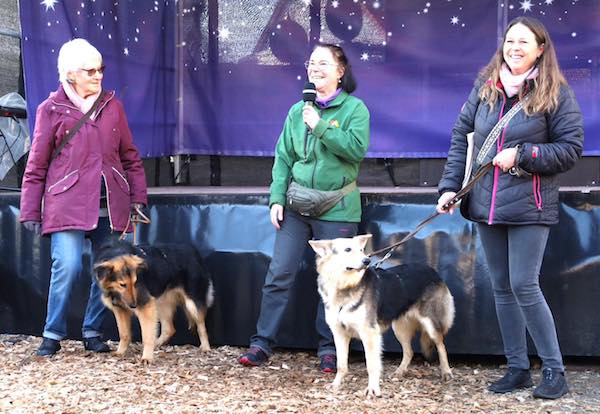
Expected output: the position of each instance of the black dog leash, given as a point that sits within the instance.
(459, 196)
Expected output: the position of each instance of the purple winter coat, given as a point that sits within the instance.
(64, 194)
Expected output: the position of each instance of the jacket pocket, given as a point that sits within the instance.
(64, 183)
(121, 180)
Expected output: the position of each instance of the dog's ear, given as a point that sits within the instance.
(140, 264)
(363, 239)
(321, 247)
(103, 269)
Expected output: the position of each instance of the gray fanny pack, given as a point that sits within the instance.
(314, 203)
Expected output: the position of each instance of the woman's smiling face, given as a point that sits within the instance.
(86, 84)
(521, 49)
(324, 71)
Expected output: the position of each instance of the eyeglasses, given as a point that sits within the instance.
(92, 72)
(319, 65)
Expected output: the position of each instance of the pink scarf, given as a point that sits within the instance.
(513, 83)
(83, 104)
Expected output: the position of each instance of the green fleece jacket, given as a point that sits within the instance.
(327, 158)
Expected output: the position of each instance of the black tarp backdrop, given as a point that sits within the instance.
(233, 234)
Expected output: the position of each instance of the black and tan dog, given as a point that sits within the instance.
(150, 282)
(362, 302)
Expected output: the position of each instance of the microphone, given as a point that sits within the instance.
(309, 94)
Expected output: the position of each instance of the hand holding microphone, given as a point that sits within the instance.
(310, 116)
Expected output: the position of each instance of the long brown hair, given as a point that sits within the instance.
(546, 85)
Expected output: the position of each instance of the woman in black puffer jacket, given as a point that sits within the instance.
(514, 204)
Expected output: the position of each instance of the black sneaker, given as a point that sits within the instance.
(553, 385)
(254, 357)
(515, 378)
(95, 344)
(328, 364)
(48, 347)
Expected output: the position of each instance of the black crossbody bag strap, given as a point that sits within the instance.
(77, 126)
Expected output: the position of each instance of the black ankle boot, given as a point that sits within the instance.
(515, 378)
(95, 344)
(48, 347)
(553, 385)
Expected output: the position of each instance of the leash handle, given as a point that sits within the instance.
(136, 217)
(469, 186)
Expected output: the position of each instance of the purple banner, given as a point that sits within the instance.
(217, 77)
(136, 39)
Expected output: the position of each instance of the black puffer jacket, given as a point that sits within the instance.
(549, 143)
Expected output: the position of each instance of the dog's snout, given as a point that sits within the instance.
(366, 261)
(133, 305)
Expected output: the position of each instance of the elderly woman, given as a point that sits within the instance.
(321, 147)
(82, 180)
(515, 204)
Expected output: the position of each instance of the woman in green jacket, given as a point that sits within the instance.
(321, 147)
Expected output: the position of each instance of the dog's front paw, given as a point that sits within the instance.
(372, 391)
(447, 376)
(147, 360)
(337, 381)
(334, 388)
(204, 347)
(399, 373)
(120, 351)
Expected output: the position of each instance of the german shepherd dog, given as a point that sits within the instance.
(362, 302)
(150, 282)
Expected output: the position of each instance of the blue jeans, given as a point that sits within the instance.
(514, 255)
(290, 243)
(66, 249)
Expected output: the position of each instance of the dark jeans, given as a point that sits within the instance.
(514, 255)
(290, 243)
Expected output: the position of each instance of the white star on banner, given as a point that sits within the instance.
(364, 57)
(549, 2)
(335, 4)
(224, 33)
(526, 5)
(126, 51)
(49, 4)
(454, 20)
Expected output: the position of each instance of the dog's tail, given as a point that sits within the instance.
(442, 320)
(196, 311)
(210, 294)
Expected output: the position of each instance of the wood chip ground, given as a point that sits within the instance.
(185, 380)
